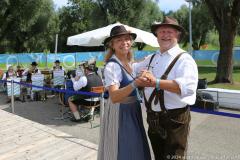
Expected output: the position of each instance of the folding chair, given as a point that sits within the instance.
(95, 102)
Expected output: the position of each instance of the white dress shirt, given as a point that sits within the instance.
(10, 74)
(184, 73)
(80, 83)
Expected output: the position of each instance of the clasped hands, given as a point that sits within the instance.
(145, 79)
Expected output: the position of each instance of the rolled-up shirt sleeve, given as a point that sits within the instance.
(112, 74)
(82, 82)
(187, 77)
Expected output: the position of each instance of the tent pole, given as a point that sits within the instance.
(56, 45)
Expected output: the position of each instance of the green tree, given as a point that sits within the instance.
(135, 13)
(22, 22)
(226, 15)
(79, 16)
(202, 24)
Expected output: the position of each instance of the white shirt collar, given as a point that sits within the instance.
(174, 51)
(116, 58)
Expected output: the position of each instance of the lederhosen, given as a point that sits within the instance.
(93, 80)
(168, 129)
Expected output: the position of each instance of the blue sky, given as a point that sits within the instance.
(165, 5)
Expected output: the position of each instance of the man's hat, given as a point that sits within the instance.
(34, 64)
(90, 64)
(82, 63)
(117, 31)
(57, 61)
(168, 21)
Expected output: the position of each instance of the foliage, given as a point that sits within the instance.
(76, 18)
(201, 24)
(84, 15)
(25, 24)
(226, 16)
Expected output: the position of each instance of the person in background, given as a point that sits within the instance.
(57, 66)
(167, 95)
(83, 83)
(28, 72)
(80, 69)
(32, 70)
(9, 74)
(1, 73)
(19, 71)
(122, 134)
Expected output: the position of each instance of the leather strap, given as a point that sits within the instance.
(159, 95)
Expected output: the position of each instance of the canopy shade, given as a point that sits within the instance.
(97, 36)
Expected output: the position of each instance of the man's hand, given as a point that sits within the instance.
(145, 79)
(77, 78)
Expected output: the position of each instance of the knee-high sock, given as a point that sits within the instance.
(76, 115)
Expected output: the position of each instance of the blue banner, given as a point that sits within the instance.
(69, 59)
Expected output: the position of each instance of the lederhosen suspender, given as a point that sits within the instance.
(159, 95)
(153, 117)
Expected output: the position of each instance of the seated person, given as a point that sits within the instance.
(9, 74)
(28, 72)
(19, 71)
(84, 83)
(32, 70)
(80, 69)
(57, 66)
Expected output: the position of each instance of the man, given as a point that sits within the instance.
(167, 97)
(57, 66)
(83, 83)
(19, 71)
(29, 71)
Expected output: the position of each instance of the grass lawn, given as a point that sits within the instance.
(210, 73)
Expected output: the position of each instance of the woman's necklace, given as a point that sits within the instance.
(127, 67)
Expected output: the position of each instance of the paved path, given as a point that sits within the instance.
(22, 139)
(211, 137)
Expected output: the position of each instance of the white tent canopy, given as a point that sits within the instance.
(97, 36)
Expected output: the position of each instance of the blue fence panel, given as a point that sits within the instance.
(69, 59)
(139, 55)
(212, 55)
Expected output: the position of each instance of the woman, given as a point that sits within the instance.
(122, 133)
(8, 75)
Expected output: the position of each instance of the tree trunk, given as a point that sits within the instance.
(226, 16)
(225, 62)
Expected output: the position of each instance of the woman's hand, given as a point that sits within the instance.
(145, 79)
